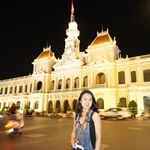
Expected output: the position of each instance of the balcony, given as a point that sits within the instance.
(78, 89)
(37, 91)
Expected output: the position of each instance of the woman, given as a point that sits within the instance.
(84, 134)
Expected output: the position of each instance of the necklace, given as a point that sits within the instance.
(87, 115)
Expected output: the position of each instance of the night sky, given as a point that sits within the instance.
(27, 25)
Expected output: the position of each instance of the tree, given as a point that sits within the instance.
(133, 107)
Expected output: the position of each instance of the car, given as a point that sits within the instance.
(116, 112)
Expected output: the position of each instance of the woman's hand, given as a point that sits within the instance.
(74, 142)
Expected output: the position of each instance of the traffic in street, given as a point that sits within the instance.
(51, 133)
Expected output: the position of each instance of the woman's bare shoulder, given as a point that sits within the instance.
(95, 115)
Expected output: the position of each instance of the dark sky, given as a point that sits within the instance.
(27, 25)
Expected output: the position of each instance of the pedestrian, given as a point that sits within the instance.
(86, 133)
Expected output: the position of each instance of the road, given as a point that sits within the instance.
(44, 133)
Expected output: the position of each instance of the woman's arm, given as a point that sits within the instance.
(73, 134)
(97, 124)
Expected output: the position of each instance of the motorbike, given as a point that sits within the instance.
(12, 128)
(30, 113)
(143, 116)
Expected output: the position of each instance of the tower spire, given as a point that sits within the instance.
(72, 7)
(72, 18)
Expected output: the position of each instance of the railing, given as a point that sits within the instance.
(37, 91)
(98, 86)
(78, 89)
(17, 78)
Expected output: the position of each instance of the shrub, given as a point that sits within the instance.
(133, 107)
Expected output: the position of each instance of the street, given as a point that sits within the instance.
(44, 133)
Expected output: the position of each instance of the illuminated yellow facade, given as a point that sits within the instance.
(100, 68)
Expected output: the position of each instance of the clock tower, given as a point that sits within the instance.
(72, 42)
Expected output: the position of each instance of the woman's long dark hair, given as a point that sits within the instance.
(79, 106)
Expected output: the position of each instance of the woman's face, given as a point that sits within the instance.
(86, 101)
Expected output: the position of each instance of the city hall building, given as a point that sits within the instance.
(57, 83)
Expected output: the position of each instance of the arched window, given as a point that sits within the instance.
(66, 106)
(26, 88)
(123, 101)
(121, 76)
(29, 104)
(146, 75)
(30, 87)
(50, 106)
(1, 90)
(100, 103)
(67, 83)
(85, 81)
(20, 89)
(133, 76)
(74, 107)
(15, 89)
(52, 85)
(6, 89)
(18, 103)
(4, 105)
(60, 84)
(76, 82)
(39, 85)
(100, 78)
(11, 89)
(36, 105)
(58, 106)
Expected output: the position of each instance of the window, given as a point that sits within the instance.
(121, 77)
(76, 82)
(6, 89)
(4, 105)
(67, 83)
(20, 89)
(133, 76)
(1, 90)
(36, 105)
(52, 85)
(15, 89)
(11, 89)
(100, 103)
(39, 85)
(75, 85)
(26, 87)
(123, 101)
(60, 84)
(100, 78)
(18, 103)
(85, 81)
(146, 75)
(30, 87)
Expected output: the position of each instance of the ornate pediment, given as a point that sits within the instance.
(39, 72)
(99, 60)
(67, 63)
